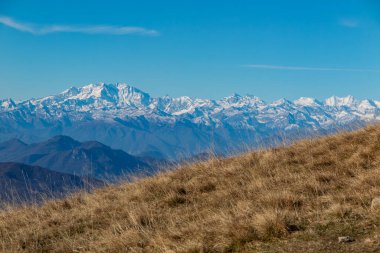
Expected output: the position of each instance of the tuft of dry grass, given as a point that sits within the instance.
(291, 199)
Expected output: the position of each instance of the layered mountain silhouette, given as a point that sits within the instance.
(25, 183)
(66, 155)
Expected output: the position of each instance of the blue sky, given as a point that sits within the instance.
(208, 49)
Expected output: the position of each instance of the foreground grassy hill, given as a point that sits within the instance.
(294, 199)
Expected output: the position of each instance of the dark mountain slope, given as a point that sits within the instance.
(25, 183)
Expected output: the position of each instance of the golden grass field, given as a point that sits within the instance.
(299, 198)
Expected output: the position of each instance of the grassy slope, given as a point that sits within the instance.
(298, 199)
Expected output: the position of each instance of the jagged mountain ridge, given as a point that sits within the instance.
(125, 117)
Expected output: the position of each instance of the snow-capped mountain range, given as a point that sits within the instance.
(127, 118)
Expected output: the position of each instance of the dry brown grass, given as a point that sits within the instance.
(294, 199)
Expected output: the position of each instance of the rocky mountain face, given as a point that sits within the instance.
(127, 118)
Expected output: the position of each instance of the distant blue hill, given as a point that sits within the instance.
(66, 155)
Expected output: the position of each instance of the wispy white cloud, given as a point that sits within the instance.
(90, 29)
(349, 22)
(299, 68)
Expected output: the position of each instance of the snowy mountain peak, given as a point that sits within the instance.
(72, 91)
(306, 101)
(281, 102)
(237, 100)
(367, 104)
(94, 91)
(129, 95)
(119, 100)
(7, 104)
(125, 117)
(340, 101)
(233, 99)
(102, 94)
